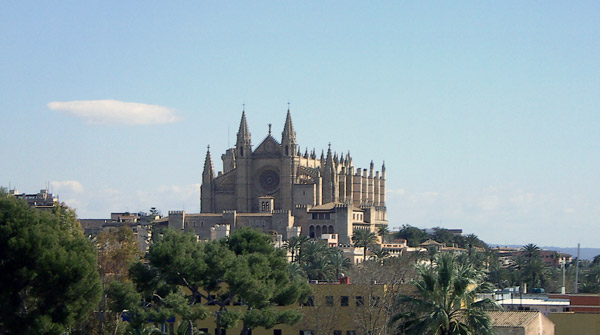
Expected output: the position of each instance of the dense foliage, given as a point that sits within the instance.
(244, 268)
(445, 300)
(47, 270)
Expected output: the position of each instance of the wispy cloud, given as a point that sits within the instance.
(67, 186)
(500, 214)
(100, 202)
(116, 112)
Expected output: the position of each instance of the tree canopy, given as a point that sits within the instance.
(244, 268)
(48, 270)
(445, 301)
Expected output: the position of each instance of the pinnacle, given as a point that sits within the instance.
(288, 129)
(208, 164)
(243, 132)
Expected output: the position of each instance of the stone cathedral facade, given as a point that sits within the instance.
(276, 188)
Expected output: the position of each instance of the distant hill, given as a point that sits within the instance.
(586, 253)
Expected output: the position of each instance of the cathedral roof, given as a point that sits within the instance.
(268, 146)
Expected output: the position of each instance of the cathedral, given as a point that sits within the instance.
(277, 189)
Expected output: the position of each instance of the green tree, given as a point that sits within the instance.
(339, 262)
(445, 301)
(443, 236)
(316, 261)
(383, 231)
(243, 267)
(532, 268)
(379, 255)
(363, 238)
(293, 244)
(47, 270)
(413, 235)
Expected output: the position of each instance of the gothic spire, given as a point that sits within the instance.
(243, 134)
(288, 130)
(243, 145)
(208, 165)
(329, 159)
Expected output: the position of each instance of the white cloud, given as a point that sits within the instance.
(116, 112)
(67, 186)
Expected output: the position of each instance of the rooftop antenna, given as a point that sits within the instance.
(577, 271)
(288, 106)
(269, 129)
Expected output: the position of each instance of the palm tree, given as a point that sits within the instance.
(363, 238)
(315, 260)
(379, 255)
(531, 265)
(383, 231)
(471, 240)
(293, 243)
(339, 262)
(445, 301)
(302, 241)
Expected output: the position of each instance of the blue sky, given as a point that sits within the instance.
(485, 113)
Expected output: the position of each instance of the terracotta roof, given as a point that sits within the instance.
(430, 242)
(512, 319)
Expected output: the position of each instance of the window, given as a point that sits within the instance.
(212, 299)
(344, 300)
(276, 331)
(351, 332)
(329, 300)
(203, 330)
(375, 300)
(223, 331)
(309, 302)
(307, 332)
(337, 332)
(360, 301)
